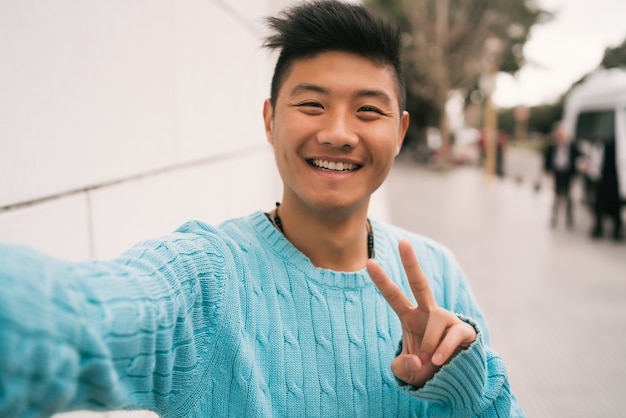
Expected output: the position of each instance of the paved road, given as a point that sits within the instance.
(555, 300)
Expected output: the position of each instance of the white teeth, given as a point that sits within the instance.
(333, 166)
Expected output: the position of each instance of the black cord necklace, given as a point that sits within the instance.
(370, 233)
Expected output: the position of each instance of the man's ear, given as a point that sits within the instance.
(268, 119)
(404, 125)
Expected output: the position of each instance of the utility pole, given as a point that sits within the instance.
(493, 47)
(442, 26)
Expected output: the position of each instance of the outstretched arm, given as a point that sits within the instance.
(100, 335)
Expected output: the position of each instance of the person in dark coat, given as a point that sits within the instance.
(560, 158)
(606, 190)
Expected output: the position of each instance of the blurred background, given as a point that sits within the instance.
(121, 120)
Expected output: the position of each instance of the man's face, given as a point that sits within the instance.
(335, 129)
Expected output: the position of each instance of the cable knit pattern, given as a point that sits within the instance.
(229, 321)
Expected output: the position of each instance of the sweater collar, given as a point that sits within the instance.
(283, 249)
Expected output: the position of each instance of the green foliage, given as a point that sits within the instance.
(614, 57)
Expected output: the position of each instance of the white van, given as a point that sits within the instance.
(598, 106)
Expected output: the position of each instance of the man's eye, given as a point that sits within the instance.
(311, 104)
(371, 109)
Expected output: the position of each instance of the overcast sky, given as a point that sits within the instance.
(563, 50)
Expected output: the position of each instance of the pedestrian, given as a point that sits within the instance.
(502, 141)
(309, 309)
(602, 171)
(560, 160)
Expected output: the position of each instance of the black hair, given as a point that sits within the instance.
(308, 29)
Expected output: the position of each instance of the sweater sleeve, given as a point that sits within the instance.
(103, 335)
(475, 382)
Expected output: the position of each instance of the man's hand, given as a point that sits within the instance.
(431, 336)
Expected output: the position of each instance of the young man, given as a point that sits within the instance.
(308, 310)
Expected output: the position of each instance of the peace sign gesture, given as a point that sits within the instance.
(431, 335)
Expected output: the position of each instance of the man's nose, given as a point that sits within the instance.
(338, 130)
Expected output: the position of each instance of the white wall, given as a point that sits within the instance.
(119, 120)
(122, 119)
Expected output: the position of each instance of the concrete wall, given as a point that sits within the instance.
(122, 119)
(119, 120)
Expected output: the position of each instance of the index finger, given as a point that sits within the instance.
(392, 293)
(417, 279)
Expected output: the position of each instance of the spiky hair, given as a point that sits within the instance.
(310, 28)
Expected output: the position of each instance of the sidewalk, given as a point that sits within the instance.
(555, 299)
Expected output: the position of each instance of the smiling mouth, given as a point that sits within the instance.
(334, 166)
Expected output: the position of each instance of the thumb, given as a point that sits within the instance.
(407, 367)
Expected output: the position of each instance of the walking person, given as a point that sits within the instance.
(560, 160)
(307, 309)
(605, 184)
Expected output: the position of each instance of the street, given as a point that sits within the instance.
(555, 300)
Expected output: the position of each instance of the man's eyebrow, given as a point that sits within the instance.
(309, 88)
(376, 94)
(314, 88)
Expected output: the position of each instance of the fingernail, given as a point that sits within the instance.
(438, 359)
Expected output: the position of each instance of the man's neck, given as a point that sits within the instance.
(329, 241)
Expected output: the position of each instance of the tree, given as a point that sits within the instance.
(444, 44)
(614, 57)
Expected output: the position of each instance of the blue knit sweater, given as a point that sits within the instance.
(229, 321)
